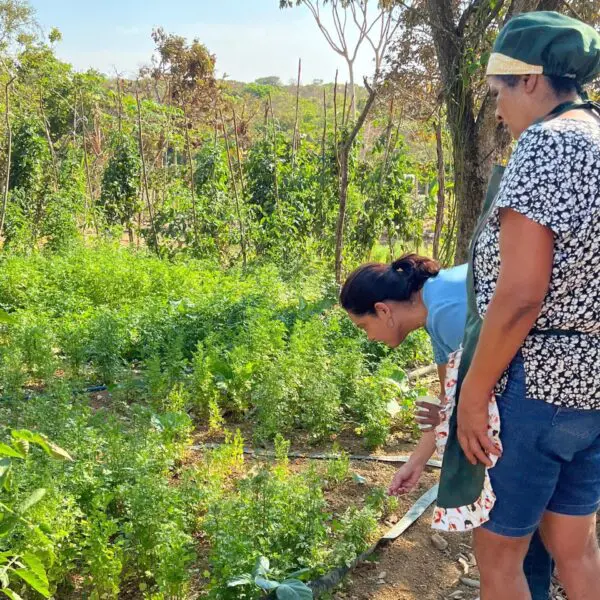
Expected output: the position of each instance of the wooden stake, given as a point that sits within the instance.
(238, 153)
(191, 173)
(8, 151)
(235, 192)
(295, 139)
(275, 169)
(144, 174)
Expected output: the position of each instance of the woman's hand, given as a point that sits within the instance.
(427, 415)
(406, 479)
(472, 422)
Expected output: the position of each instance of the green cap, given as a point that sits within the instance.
(546, 43)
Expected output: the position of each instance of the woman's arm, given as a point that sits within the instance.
(526, 255)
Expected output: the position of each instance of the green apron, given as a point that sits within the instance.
(461, 482)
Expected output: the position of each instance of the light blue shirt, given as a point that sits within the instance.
(445, 297)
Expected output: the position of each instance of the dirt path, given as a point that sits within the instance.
(412, 568)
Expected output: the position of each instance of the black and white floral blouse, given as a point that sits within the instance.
(553, 178)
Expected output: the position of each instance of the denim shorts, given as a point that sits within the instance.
(550, 460)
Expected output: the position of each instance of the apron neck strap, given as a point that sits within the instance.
(572, 105)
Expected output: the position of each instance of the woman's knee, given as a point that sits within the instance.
(500, 553)
(572, 541)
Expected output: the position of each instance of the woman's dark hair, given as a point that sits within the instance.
(561, 86)
(378, 282)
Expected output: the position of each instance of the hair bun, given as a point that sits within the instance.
(417, 269)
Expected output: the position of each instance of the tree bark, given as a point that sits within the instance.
(476, 140)
(441, 193)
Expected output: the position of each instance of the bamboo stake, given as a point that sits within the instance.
(144, 173)
(235, 192)
(324, 140)
(238, 153)
(50, 144)
(191, 173)
(87, 170)
(8, 152)
(275, 170)
(335, 119)
(120, 104)
(295, 139)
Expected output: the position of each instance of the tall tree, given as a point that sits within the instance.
(461, 34)
(17, 22)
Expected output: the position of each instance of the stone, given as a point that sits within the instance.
(439, 542)
(472, 583)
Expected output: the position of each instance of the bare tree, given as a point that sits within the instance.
(377, 29)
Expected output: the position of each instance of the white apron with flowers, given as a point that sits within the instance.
(464, 518)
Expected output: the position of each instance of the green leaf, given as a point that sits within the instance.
(5, 464)
(34, 581)
(6, 450)
(4, 582)
(241, 580)
(265, 584)
(40, 440)
(12, 595)
(7, 525)
(293, 589)
(33, 499)
(35, 566)
(6, 480)
(58, 453)
(299, 572)
(263, 566)
(22, 446)
(6, 318)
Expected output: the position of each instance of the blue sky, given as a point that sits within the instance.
(251, 38)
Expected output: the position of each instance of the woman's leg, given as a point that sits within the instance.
(500, 562)
(574, 545)
(538, 567)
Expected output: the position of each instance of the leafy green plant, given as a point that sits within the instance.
(27, 566)
(288, 589)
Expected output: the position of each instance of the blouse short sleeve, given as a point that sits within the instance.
(540, 181)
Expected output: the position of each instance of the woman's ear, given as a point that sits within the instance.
(530, 82)
(382, 310)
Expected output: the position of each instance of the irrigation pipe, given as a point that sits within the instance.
(390, 459)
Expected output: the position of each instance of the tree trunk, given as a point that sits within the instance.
(441, 194)
(477, 142)
(352, 109)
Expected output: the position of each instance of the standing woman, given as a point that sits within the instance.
(533, 328)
